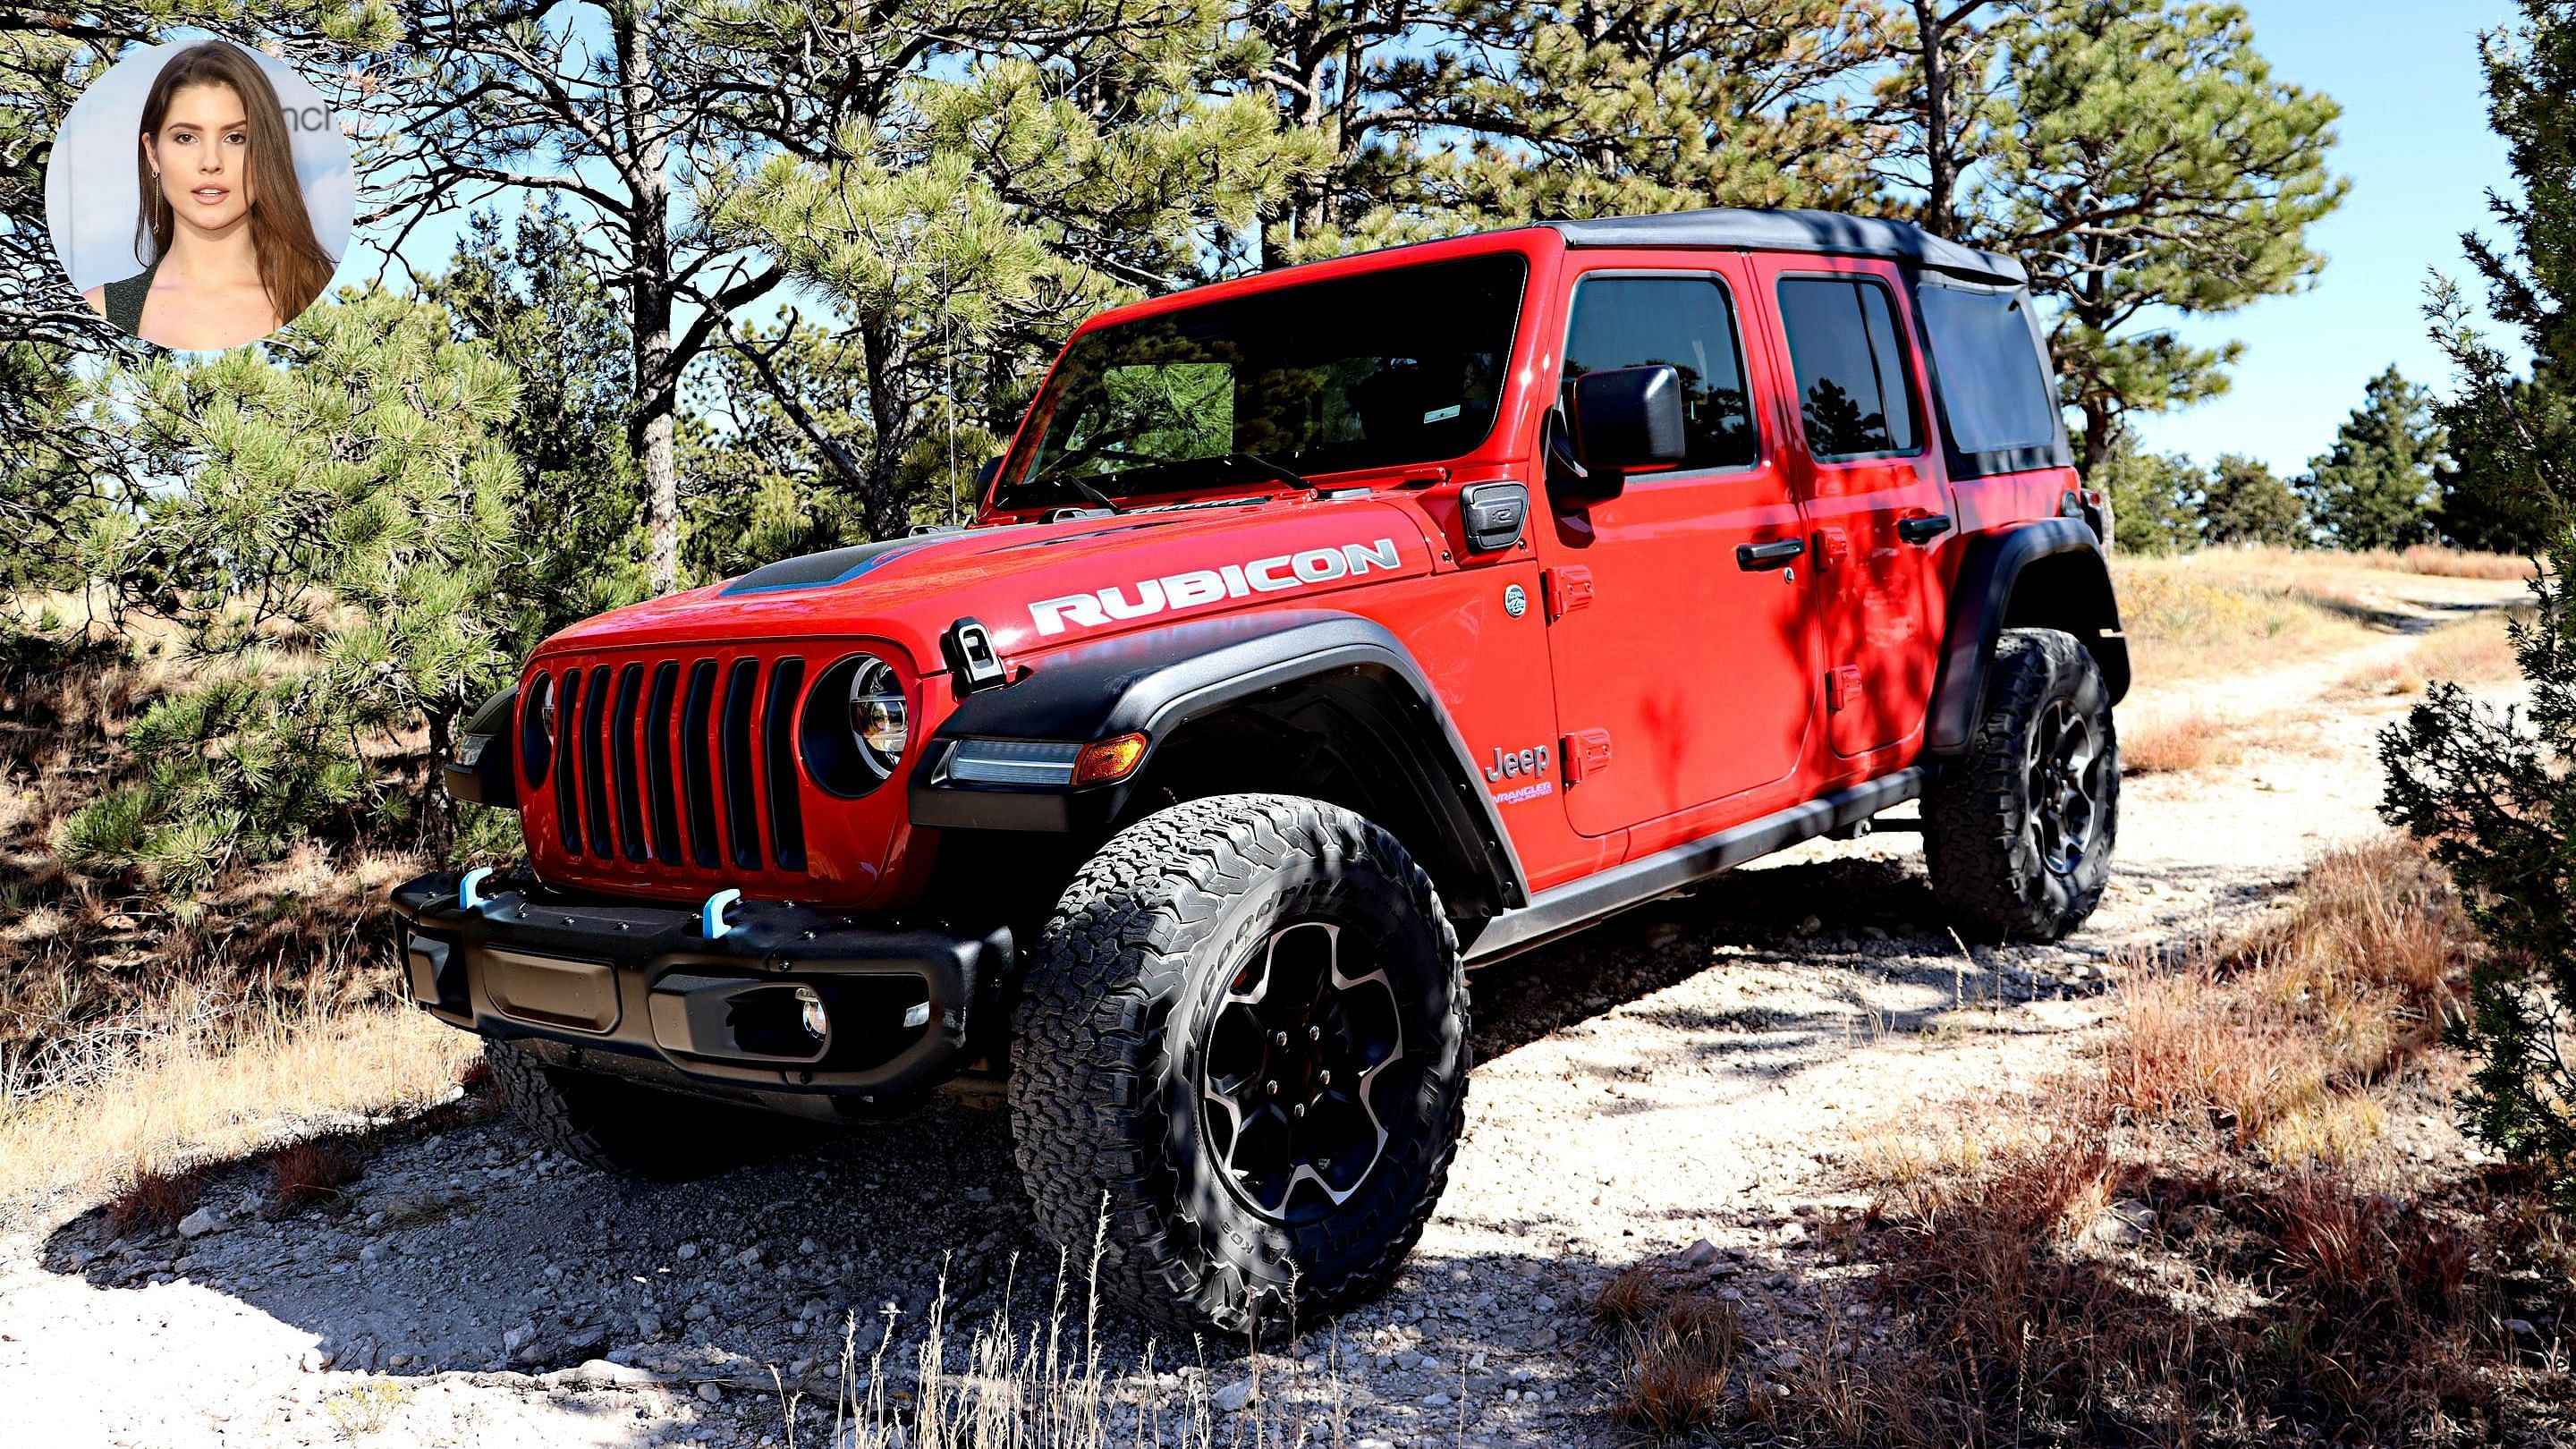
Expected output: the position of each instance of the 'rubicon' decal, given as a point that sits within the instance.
(1206, 586)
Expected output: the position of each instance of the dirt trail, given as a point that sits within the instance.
(1665, 1084)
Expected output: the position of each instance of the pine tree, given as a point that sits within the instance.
(2492, 790)
(963, 231)
(2141, 160)
(336, 556)
(2155, 498)
(2380, 485)
(2246, 503)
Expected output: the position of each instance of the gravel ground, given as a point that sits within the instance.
(1665, 1088)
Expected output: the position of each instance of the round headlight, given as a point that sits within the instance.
(877, 714)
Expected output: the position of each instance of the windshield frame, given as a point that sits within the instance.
(1236, 474)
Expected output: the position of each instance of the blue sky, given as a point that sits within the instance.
(2415, 142)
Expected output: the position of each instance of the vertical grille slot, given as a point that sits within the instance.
(594, 763)
(778, 760)
(661, 778)
(733, 750)
(629, 781)
(697, 741)
(567, 687)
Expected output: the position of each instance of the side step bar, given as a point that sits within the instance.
(1568, 908)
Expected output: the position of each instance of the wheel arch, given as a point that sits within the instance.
(1309, 702)
(2045, 574)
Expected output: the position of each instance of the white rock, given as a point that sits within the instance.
(1435, 1400)
(687, 1251)
(711, 1393)
(1232, 1398)
(197, 1224)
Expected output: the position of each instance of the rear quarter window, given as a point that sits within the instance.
(1995, 394)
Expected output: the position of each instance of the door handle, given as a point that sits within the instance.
(1754, 557)
(1923, 529)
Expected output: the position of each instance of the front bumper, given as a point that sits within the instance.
(638, 989)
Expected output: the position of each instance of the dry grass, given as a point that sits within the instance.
(2230, 611)
(2452, 563)
(186, 1099)
(2174, 746)
(153, 1201)
(2206, 1235)
(2473, 651)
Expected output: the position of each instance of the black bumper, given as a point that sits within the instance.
(637, 989)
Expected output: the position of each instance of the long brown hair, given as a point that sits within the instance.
(293, 268)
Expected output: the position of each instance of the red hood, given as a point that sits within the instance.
(1032, 584)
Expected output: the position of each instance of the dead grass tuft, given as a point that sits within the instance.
(153, 1201)
(2160, 747)
(1680, 1367)
(312, 1173)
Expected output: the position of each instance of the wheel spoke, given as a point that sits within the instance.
(1292, 1058)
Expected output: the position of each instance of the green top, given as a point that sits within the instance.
(125, 301)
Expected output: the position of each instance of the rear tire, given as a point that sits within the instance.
(2018, 832)
(620, 1127)
(1243, 1036)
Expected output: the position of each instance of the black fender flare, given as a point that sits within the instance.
(2047, 573)
(1156, 681)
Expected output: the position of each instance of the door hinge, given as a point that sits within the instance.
(1567, 589)
(1833, 545)
(1842, 687)
(1585, 753)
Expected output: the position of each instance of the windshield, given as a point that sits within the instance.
(1377, 370)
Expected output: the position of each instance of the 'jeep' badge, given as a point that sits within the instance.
(1528, 762)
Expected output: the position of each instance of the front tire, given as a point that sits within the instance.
(619, 1127)
(1242, 1059)
(2018, 832)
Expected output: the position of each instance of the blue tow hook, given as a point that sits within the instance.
(711, 921)
(469, 891)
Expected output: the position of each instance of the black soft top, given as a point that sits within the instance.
(1793, 231)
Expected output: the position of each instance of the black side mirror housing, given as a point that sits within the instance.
(986, 472)
(1622, 420)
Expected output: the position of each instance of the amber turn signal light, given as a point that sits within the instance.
(1107, 760)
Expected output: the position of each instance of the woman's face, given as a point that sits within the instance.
(203, 155)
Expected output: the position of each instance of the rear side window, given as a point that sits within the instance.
(1852, 374)
(1994, 391)
(1686, 323)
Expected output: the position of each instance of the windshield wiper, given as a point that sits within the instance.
(1077, 485)
(1279, 471)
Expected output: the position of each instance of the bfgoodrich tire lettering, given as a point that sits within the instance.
(2018, 831)
(1151, 962)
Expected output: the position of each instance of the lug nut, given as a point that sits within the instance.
(1280, 1040)
(1314, 1033)
(1271, 1087)
(1297, 1111)
(1325, 1077)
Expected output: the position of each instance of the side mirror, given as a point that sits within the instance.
(1625, 419)
(985, 472)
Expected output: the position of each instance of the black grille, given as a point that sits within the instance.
(670, 763)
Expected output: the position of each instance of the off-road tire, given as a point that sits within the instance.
(622, 1128)
(1151, 943)
(1983, 839)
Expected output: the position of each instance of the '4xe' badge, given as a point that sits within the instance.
(1206, 586)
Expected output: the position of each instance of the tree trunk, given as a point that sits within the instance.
(1928, 31)
(651, 431)
(2098, 422)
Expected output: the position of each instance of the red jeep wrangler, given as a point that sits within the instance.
(1322, 634)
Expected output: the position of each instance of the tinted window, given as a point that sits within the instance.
(1385, 368)
(1993, 389)
(1843, 341)
(1684, 322)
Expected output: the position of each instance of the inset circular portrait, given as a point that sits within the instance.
(200, 194)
